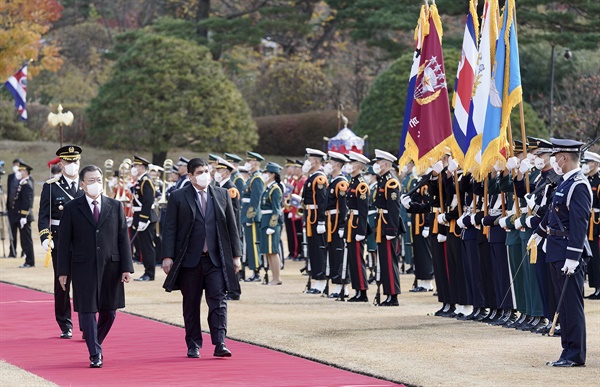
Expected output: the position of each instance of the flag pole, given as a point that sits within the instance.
(510, 153)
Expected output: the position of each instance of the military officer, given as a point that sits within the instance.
(314, 198)
(371, 179)
(271, 222)
(56, 193)
(388, 225)
(250, 214)
(144, 217)
(589, 168)
(565, 227)
(22, 205)
(336, 211)
(290, 231)
(236, 177)
(296, 215)
(357, 201)
(183, 174)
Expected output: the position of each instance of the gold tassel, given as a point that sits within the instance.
(532, 247)
(49, 252)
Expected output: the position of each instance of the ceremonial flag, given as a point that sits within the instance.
(430, 125)
(505, 93)
(463, 89)
(411, 83)
(17, 85)
(481, 86)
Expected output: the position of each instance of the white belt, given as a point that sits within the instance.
(246, 200)
(371, 212)
(355, 212)
(495, 212)
(137, 209)
(596, 209)
(382, 211)
(266, 212)
(311, 206)
(55, 222)
(332, 212)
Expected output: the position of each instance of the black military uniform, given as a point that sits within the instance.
(56, 193)
(594, 229)
(143, 201)
(13, 218)
(22, 207)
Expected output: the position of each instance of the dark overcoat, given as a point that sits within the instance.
(94, 255)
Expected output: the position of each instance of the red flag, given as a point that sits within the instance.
(430, 124)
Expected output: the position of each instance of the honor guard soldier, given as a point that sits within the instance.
(56, 193)
(144, 217)
(288, 189)
(371, 179)
(271, 222)
(236, 177)
(183, 173)
(388, 225)
(22, 206)
(357, 201)
(314, 198)
(337, 269)
(296, 213)
(565, 227)
(212, 163)
(591, 161)
(251, 214)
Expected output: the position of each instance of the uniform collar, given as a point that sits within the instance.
(572, 172)
(223, 182)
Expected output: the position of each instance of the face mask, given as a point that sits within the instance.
(265, 176)
(94, 189)
(367, 179)
(72, 169)
(348, 168)
(376, 168)
(134, 172)
(414, 170)
(585, 169)
(57, 175)
(306, 166)
(404, 169)
(531, 157)
(247, 166)
(557, 168)
(203, 179)
(218, 177)
(539, 163)
(15, 168)
(18, 175)
(328, 169)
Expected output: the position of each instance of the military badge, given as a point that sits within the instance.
(394, 196)
(320, 186)
(61, 207)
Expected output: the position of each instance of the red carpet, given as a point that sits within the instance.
(140, 351)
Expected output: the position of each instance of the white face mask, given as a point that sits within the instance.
(265, 176)
(539, 163)
(556, 166)
(248, 166)
(72, 169)
(94, 190)
(349, 168)
(18, 175)
(57, 175)
(585, 169)
(367, 179)
(134, 172)
(328, 169)
(203, 180)
(306, 166)
(15, 168)
(414, 170)
(530, 157)
(376, 168)
(218, 177)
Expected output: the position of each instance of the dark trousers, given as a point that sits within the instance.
(517, 261)
(572, 317)
(62, 299)
(95, 331)
(544, 283)
(14, 226)
(440, 269)
(251, 236)
(335, 259)
(145, 241)
(292, 237)
(317, 253)
(456, 272)
(27, 243)
(594, 264)
(192, 281)
(487, 271)
(473, 278)
(390, 272)
(422, 257)
(501, 276)
(357, 265)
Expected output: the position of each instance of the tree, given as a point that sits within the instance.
(23, 23)
(166, 92)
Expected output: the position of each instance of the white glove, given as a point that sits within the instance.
(46, 243)
(460, 223)
(528, 221)
(498, 166)
(409, 223)
(359, 238)
(437, 167)
(525, 166)
(570, 266)
(389, 237)
(512, 163)
(441, 218)
(320, 229)
(518, 224)
(290, 215)
(535, 237)
(452, 165)
(473, 220)
(129, 222)
(405, 200)
(425, 232)
(502, 221)
(441, 238)
(270, 231)
(142, 226)
(22, 222)
(530, 199)
(249, 224)
(341, 232)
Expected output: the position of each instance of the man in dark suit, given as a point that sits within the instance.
(22, 208)
(13, 218)
(94, 251)
(201, 251)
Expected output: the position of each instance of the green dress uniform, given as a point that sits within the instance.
(270, 210)
(250, 214)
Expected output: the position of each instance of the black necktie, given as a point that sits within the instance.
(96, 211)
(73, 189)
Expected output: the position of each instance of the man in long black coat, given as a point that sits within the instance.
(94, 250)
(201, 251)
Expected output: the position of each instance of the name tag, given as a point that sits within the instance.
(560, 194)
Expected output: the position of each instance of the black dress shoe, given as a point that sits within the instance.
(66, 334)
(333, 295)
(313, 291)
(232, 297)
(193, 352)
(542, 323)
(144, 278)
(564, 363)
(221, 351)
(255, 278)
(96, 361)
(390, 302)
(418, 289)
(595, 296)
(25, 266)
(358, 299)
(440, 311)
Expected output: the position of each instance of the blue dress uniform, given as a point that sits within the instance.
(56, 193)
(387, 230)
(594, 229)
(409, 181)
(271, 206)
(143, 200)
(250, 215)
(22, 206)
(565, 227)
(420, 210)
(357, 201)
(371, 243)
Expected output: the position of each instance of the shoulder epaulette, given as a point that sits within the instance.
(234, 193)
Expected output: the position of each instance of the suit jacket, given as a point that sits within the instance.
(23, 200)
(182, 211)
(100, 254)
